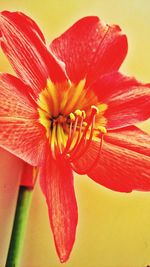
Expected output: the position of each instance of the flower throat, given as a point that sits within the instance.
(70, 120)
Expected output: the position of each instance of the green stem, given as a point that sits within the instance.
(19, 227)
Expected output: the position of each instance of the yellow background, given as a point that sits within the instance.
(113, 228)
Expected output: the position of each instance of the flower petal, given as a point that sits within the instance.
(123, 164)
(57, 184)
(23, 44)
(128, 100)
(20, 132)
(90, 48)
(131, 138)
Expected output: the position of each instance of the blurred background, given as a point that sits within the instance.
(113, 228)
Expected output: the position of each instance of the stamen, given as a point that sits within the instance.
(68, 141)
(98, 154)
(70, 136)
(83, 142)
(72, 116)
(79, 133)
(102, 129)
(86, 170)
(75, 143)
(84, 123)
(78, 112)
(83, 114)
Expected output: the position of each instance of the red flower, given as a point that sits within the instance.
(70, 109)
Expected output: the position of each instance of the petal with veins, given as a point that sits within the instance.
(57, 185)
(90, 48)
(123, 164)
(23, 44)
(20, 131)
(127, 99)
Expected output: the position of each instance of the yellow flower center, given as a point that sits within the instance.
(70, 118)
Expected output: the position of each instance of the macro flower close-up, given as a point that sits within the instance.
(69, 109)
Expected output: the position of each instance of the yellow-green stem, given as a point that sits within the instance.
(19, 227)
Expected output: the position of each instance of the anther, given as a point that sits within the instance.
(78, 112)
(102, 129)
(84, 123)
(72, 116)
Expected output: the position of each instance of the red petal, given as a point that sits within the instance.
(90, 48)
(124, 164)
(23, 44)
(128, 100)
(131, 138)
(20, 131)
(57, 184)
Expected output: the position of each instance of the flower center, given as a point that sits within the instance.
(69, 128)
